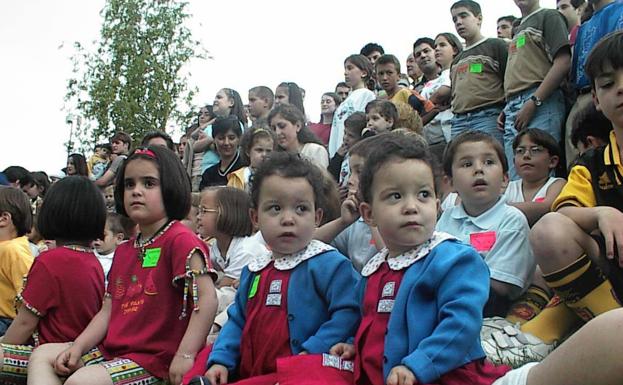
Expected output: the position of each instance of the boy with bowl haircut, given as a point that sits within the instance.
(477, 168)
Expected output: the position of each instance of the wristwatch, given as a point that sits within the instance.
(537, 101)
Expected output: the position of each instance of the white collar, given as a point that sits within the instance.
(289, 262)
(476, 43)
(406, 259)
(530, 15)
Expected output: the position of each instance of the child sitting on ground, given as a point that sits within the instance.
(422, 296)
(15, 254)
(297, 299)
(65, 285)
(349, 233)
(475, 163)
(536, 155)
(117, 231)
(224, 217)
(132, 339)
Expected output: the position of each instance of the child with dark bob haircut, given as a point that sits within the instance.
(298, 298)
(82, 220)
(174, 182)
(132, 339)
(65, 285)
(422, 296)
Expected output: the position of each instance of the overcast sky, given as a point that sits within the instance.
(252, 42)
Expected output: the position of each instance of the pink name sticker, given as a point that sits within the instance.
(539, 200)
(482, 241)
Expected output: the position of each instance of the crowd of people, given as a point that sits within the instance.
(453, 224)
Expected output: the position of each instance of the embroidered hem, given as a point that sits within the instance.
(190, 281)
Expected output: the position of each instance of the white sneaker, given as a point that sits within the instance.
(493, 324)
(512, 347)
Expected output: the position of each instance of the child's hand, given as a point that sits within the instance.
(179, 366)
(67, 362)
(525, 115)
(401, 375)
(343, 350)
(217, 374)
(609, 222)
(343, 191)
(349, 210)
(342, 150)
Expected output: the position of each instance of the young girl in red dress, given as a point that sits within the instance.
(299, 298)
(423, 295)
(65, 285)
(160, 301)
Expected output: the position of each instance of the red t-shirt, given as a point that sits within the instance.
(147, 299)
(65, 288)
(322, 131)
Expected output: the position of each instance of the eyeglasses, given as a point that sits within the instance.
(532, 151)
(205, 210)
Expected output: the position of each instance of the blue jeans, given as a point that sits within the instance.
(549, 117)
(484, 119)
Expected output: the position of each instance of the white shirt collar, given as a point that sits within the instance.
(406, 259)
(289, 262)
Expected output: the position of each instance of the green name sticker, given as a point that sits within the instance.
(521, 41)
(253, 290)
(475, 68)
(151, 257)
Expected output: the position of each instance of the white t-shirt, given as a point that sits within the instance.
(106, 261)
(514, 191)
(316, 154)
(356, 101)
(439, 128)
(239, 253)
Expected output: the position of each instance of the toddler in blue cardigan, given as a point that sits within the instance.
(422, 297)
(299, 298)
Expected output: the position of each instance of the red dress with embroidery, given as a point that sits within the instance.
(150, 307)
(381, 290)
(266, 335)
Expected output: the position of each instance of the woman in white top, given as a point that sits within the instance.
(288, 122)
(359, 75)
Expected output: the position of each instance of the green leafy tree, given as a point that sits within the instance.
(135, 80)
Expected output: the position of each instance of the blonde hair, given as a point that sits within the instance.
(408, 118)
